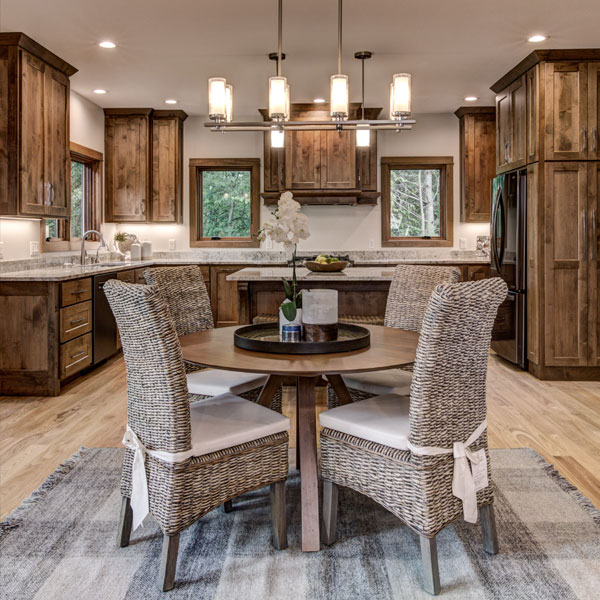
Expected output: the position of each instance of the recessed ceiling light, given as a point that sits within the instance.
(107, 44)
(170, 101)
(471, 98)
(538, 37)
(319, 100)
(99, 91)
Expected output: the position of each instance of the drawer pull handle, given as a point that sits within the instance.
(77, 292)
(77, 354)
(75, 321)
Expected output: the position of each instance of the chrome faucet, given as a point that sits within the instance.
(84, 251)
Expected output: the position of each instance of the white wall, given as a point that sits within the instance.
(332, 227)
(87, 129)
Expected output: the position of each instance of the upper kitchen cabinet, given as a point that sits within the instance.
(167, 166)
(510, 126)
(144, 165)
(321, 167)
(594, 110)
(477, 161)
(34, 129)
(127, 164)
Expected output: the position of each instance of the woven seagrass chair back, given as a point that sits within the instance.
(185, 293)
(410, 291)
(157, 397)
(447, 395)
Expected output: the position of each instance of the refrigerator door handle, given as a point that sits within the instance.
(500, 259)
(493, 244)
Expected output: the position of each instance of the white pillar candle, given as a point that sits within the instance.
(320, 307)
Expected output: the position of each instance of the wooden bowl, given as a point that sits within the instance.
(333, 267)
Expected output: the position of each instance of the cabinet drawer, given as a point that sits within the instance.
(128, 276)
(75, 320)
(75, 355)
(139, 275)
(75, 291)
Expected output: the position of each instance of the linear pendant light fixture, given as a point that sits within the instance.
(220, 101)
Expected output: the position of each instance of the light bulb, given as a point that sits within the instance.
(277, 138)
(277, 97)
(338, 96)
(216, 98)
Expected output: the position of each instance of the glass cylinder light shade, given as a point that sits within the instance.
(401, 85)
(287, 102)
(229, 103)
(338, 96)
(320, 307)
(216, 98)
(277, 97)
(363, 136)
(277, 138)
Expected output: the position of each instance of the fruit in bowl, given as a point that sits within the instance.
(327, 264)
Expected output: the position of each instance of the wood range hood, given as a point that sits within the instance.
(321, 167)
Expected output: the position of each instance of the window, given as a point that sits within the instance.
(417, 201)
(224, 204)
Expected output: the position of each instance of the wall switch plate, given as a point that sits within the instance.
(34, 248)
(172, 244)
(462, 243)
(371, 243)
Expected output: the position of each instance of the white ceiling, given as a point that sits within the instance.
(168, 48)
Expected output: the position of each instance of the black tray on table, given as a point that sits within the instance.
(265, 338)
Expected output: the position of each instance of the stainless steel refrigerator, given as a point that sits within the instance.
(509, 261)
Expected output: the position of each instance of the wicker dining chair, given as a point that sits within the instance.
(184, 290)
(399, 451)
(194, 456)
(410, 291)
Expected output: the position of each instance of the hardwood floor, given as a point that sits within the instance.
(561, 420)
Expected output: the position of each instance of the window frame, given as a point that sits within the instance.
(197, 166)
(93, 160)
(446, 166)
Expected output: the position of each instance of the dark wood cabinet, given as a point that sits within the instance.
(167, 166)
(321, 167)
(224, 295)
(594, 110)
(477, 161)
(34, 129)
(510, 126)
(127, 150)
(144, 165)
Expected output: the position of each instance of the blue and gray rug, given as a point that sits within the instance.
(61, 544)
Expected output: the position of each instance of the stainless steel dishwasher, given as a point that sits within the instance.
(105, 326)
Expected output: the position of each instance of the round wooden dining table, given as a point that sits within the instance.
(389, 348)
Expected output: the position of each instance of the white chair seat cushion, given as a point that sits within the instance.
(381, 419)
(227, 420)
(212, 382)
(391, 381)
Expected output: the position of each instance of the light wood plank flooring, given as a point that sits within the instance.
(561, 420)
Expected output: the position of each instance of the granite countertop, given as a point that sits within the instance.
(303, 274)
(52, 269)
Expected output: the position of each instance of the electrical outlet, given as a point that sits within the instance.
(371, 243)
(34, 248)
(462, 243)
(172, 244)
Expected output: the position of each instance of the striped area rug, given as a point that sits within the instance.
(61, 544)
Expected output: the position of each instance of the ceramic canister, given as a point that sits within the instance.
(146, 250)
(136, 251)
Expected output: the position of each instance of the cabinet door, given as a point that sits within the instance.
(478, 168)
(516, 143)
(566, 265)
(127, 169)
(56, 144)
(503, 129)
(532, 145)
(366, 165)
(338, 160)
(303, 160)
(594, 110)
(273, 180)
(567, 136)
(224, 296)
(32, 180)
(167, 176)
(594, 261)
(534, 235)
